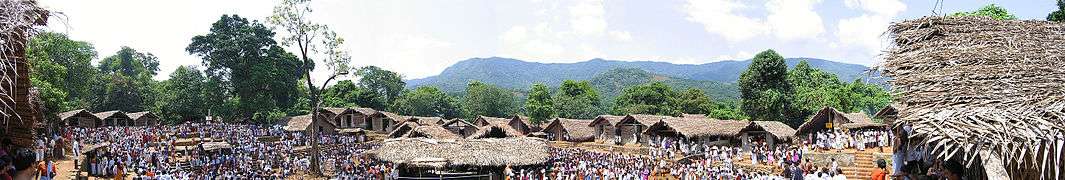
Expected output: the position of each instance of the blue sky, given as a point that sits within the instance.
(421, 38)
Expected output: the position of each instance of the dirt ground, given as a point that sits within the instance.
(65, 169)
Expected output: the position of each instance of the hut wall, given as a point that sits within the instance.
(605, 132)
(632, 134)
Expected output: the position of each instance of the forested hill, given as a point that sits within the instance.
(518, 74)
(612, 82)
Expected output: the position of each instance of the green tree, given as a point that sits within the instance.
(727, 110)
(814, 89)
(427, 101)
(1059, 15)
(694, 101)
(652, 98)
(765, 91)
(127, 81)
(241, 57)
(182, 97)
(62, 71)
(346, 94)
(539, 106)
(384, 83)
(488, 100)
(577, 99)
(990, 10)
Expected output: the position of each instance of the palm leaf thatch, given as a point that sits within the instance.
(776, 128)
(473, 152)
(575, 130)
(18, 22)
(697, 127)
(968, 85)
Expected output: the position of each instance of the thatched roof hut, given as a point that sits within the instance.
(981, 90)
(888, 114)
(696, 127)
(514, 124)
(574, 130)
(464, 152)
(460, 127)
(829, 118)
(433, 132)
(303, 123)
(114, 118)
(604, 127)
(80, 118)
(144, 118)
(495, 130)
(776, 128)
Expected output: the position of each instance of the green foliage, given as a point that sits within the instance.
(816, 89)
(653, 98)
(727, 110)
(1059, 15)
(694, 101)
(347, 94)
(611, 83)
(539, 106)
(990, 10)
(127, 82)
(765, 91)
(577, 99)
(383, 83)
(242, 58)
(427, 101)
(62, 71)
(488, 100)
(181, 98)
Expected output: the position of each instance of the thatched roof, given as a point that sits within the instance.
(685, 115)
(212, 146)
(138, 115)
(609, 119)
(495, 130)
(428, 120)
(393, 116)
(972, 84)
(79, 112)
(577, 129)
(647, 119)
(351, 131)
(434, 132)
(365, 111)
(296, 123)
(697, 127)
(335, 110)
(108, 114)
(458, 122)
(473, 152)
(777, 128)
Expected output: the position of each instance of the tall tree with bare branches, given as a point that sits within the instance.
(313, 41)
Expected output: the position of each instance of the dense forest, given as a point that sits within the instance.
(268, 83)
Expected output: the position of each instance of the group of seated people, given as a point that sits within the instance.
(854, 139)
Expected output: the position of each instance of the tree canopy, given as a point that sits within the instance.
(427, 101)
(1059, 14)
(577, 99)
(765, 91)
(990, 10)
(182, 98)
(651, 98)
(243, 57)
(488, 100)
(539, 106)
(62, 71)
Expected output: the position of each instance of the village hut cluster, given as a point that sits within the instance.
(86, 119)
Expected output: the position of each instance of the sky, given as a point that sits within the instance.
(421, 38)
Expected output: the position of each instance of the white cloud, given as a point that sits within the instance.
(865, 31)
(794, 19)
(622, 36)
(587, 17)
(741, 55)
(720, 17)
(786, 19)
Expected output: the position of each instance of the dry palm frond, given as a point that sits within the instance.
(18, 19)
(969, 84)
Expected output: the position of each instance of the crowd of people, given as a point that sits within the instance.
(855, 139)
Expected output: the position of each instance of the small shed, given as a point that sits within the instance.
(302, 123)
(114, 118)
(572, 130)
(144, 118)
(80, 118)
(769, 132)
(604, 127)
(460, 127)
(385, 122)
(516, 123)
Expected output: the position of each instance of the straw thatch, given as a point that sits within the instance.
(645, 119)
(114, 118)
(607, 119)
(365, 111)
(144, 118)
(697, 127)
(495, 130)
(465, 153)
(511, 125)
(776, 128)
(296, 123)
(461, 127)
(80, 118)
(351, 131)
(577, 130)
(434, 132)
(828, 115)
(686, 115)
(18, 22)
(972, 84)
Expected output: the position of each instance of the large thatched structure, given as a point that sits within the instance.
(769, 132)
(114, 118)
(701, 129)
(573, 130)
(460, 127)
(302, 123)
(988, 93)
(18, 20)
(604, 127)
(513, 125)
(481, 155)
(384, 122)
(144, 118)
(829, 118)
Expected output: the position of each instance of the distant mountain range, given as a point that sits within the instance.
(716, 78)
